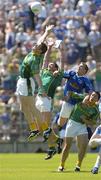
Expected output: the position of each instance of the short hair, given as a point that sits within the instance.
(43, 48)
(86, 67)
(56, 66)
(98, 93)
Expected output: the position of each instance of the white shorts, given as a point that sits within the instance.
(74, 129)
(66, 110)
(22, 88)
(95, 141)
(43, 104)
(62, 133)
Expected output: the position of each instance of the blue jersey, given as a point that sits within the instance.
(77, 84)
(97, 2)
(55, 120)
(98, 130)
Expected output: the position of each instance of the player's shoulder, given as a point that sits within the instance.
(27, 57)
(97, 107)
(85, 78)
(72, 73)
(61, 72)
(99, 127)
(45, 70)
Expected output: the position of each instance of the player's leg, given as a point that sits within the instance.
(27, 103)
(35, 131)
(94, 142)
(64, 114)
(69, 135)
(43, 104)
(56, 137)
(51, 146)
(28, 108)
(46, 124)
(97, 165)
(54, 145)
(65, 152)
(54, 140)
(82, 142)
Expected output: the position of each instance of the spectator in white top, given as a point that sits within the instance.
(85, 6)
(21, 36)
(82, 42)
(94, 37)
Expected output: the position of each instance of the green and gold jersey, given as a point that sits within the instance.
(31, 65)
(82, 110)
(98, 75)
(50, 82)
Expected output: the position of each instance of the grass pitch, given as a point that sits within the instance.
(34, 167)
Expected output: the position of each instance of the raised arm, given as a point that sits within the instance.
(47, 55)
(74, 95)
(88, 85)
(46, 33)
(38, 79)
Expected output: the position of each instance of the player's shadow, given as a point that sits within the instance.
(71, 171)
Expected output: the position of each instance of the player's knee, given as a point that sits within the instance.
(61, 121)
(92, 143)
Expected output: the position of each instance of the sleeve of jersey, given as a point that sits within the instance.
(68, 74)
(41, 90)
(78, 97)
(99, 130)
(88, 85)
(65, 90)
(35, 67)
(96, 115)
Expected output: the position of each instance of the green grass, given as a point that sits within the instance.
(34, 167)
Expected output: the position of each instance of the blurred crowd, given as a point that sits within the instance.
(76, 22)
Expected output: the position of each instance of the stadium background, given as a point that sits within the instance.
(75, 23)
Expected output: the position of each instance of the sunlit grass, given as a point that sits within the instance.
(34, 167)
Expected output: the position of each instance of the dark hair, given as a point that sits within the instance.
(43, 48)
(56, 66)
(19, 44)
(86, 67)
(98, 94)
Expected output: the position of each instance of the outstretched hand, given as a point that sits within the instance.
(49, 28)
(62, 47)
(68, 96)
(56, 73)
(50, 42)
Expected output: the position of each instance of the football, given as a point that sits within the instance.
(36, 7)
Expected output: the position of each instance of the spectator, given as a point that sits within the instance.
(94, 37)
(91, 65)
(73, 55)
(82, 42)
(5, 117)
(21, 36)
